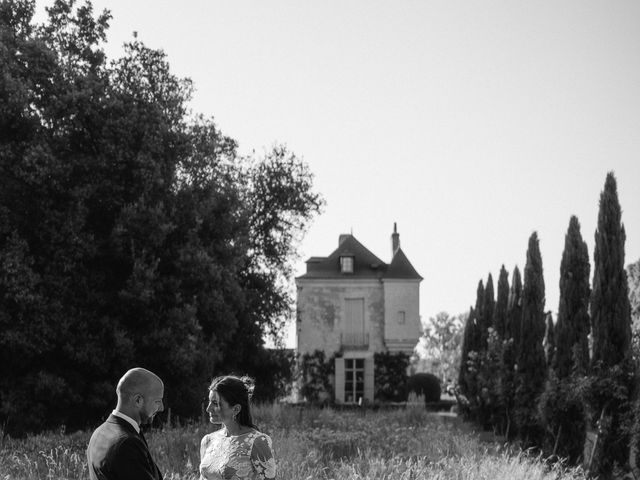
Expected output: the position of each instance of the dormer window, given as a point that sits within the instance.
(346, 264)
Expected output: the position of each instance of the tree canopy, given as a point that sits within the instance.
(132, 232)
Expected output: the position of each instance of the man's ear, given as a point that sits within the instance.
(138, 399)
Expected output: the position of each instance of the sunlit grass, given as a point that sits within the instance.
(309, 443)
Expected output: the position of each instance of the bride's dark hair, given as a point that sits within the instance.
(236, 391)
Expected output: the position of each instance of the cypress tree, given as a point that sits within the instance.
(481, 331)
(511, 348)
(492, 411)
(572, 327)
(562, 406)
(610, 308)
(489, 304)
(465, 348)
(514, 312)
(611, 327)
(502, 302)
(531, 372)
(465, 378)
(549, 338)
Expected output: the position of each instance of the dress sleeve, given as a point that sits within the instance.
(203, 446)
(262, 458)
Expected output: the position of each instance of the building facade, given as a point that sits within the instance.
(351, 304)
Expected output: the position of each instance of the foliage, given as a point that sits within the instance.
(390, 376)
(465, 381)
(510, 350)
(572, 327)
(610, 309)
(425, 384)
(549, 342)
(502, 304)
(610, 402)
(474, 343)
(315, 372)
(633, 277)
(492, 411)
(514, 312)
(562, 406)
(439, 346)
(531, 364)
(131, 233)
(480, 342)
(564, 416)
(488, 309)
(612, 364)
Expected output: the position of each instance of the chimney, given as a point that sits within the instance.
(395, 240)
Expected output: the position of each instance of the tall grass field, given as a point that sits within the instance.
(309, 443)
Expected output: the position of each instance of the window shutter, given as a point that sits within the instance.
(368, 378)
(339, 390)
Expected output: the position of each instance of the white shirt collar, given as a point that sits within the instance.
(121, 415)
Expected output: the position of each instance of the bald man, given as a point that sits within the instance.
(117, 449)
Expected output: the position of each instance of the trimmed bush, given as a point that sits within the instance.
(425, 384)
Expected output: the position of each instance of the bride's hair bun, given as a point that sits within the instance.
(249, 384)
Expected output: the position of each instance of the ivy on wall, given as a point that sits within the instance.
(316, 372)
(390, 376)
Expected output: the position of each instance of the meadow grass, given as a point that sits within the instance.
(309, 443)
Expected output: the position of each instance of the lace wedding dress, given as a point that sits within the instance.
(237, 457)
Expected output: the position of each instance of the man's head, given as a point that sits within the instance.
(140, 395)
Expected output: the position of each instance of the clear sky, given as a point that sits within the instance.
(470, 124)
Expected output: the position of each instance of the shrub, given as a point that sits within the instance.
(425, 384)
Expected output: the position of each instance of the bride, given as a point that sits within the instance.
(238, 451)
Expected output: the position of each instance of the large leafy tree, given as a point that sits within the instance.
(611, 362)
(131, 233)
(439, 346)
(531, 372)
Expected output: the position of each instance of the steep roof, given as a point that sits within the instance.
(366, 264)
(400, 267)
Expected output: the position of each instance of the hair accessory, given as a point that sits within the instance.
(249, 384)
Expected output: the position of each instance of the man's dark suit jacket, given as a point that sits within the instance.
(117, 452)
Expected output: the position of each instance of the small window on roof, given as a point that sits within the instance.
(346, 264)
(401, 317)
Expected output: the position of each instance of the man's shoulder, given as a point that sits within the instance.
(113, 430)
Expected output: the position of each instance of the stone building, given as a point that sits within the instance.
(351, 304)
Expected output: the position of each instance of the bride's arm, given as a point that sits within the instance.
(262, 458)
